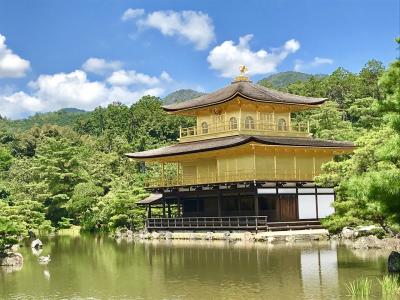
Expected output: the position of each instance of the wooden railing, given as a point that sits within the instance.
(231, 176)
(254, 127)
(237, 222)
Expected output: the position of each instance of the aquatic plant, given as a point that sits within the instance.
(390, 285)
(360, 288)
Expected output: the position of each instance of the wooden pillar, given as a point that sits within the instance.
(163, 208)
(256, 207)
(179, 206)
(254, 163)
(149, 212)
(219, 203)
(169, 210)
(162, 174)
(239, 208)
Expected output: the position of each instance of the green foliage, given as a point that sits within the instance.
(116, 209)
(365, 113)
(368, 188)
(5, 159)
(141, 126)
(355, 179)
(10, 232)
(390, 84)
(342, 86)
(327, 123)
(64, 223)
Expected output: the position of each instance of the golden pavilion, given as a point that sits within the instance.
(246, 165)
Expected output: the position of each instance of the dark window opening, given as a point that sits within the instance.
(267, 203)
(193, 205)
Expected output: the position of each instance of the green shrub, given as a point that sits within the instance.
(10, 232)
(390, 285)
(64, 223)
(360, 288)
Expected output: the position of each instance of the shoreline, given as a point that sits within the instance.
(357, 243)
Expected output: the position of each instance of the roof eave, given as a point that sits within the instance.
(239, 143)
(277, 101)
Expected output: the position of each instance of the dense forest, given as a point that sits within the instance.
(71, 168)
(282, 79)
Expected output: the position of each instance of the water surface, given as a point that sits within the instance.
(97, 267)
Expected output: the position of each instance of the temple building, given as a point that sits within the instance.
(245, 164)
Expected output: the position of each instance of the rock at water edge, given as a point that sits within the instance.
(36, 244)
(394, 262)
(13, 259)
(348, 233)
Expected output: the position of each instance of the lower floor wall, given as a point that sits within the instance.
(300, 203)
(277, 203)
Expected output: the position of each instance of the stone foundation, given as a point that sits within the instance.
(267, 236)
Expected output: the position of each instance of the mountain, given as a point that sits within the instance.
(72, 110)
(283, 79)
(181, 95)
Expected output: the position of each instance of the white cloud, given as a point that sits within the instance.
(123, 77)
(53, 92)
(316, 62)
(131, 13)
(100, 66)
(227, 57)
(166, 77)
(68, 89)
(15, 104)
(191, 26)
(131, 77)
(11, 65)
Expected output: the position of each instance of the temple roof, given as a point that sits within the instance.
(151, 199)
(247, 90)
(232, 141)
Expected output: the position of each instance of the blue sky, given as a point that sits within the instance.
(56, 54)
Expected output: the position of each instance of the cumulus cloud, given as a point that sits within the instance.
(100, 66)
(11, 65)
(131, 13)
(227, 57)
(316, 62)
(166, 77)
(14, 105)
(131, 77)
(194, 27)
(74, 89)
(123, 77)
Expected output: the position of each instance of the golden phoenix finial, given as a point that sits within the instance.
(242, 77)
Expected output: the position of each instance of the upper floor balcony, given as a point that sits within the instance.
(241, 175)
(247, 126)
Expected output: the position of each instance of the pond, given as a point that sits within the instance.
(97, 267)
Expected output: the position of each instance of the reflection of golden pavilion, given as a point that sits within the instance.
(244, 164)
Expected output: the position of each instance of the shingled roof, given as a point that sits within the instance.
(232, 141)
(247, 90)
